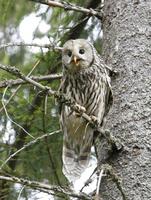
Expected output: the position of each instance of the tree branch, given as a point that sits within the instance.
(16, 82)
(69, 6)
(44, 187)
(15, 71)
(47, 46)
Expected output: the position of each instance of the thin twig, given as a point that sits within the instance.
(89, 179)
(69, 6)
(27, 145)
(19, 196)
(3, 104)
(97, 196)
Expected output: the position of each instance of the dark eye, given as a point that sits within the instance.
(69, 53)
(81, 51)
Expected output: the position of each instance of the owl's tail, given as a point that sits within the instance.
(76, 155)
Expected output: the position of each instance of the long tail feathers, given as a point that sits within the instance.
(76, 158)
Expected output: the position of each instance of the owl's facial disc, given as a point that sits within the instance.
(77, 55)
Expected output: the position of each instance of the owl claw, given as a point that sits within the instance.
(80, 109)
(95, 120)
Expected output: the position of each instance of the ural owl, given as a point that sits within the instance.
(85, 80)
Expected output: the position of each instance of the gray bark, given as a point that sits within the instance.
(127, 48)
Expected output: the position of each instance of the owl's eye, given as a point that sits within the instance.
(81, 51)
(69, 53)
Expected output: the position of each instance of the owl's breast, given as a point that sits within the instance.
(87, 89)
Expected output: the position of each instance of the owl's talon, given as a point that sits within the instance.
(80, 109)
(95, 120)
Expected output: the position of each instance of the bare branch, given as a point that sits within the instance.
(69, 6)
(19, 196)
(44, 187)
(16, 82)
(47, 46)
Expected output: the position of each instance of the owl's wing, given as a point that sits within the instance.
(106, 71)
(109, 95)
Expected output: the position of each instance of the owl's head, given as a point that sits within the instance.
(77, 55)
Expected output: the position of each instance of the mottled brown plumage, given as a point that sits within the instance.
(85, 80)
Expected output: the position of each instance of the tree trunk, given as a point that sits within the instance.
(127, 48)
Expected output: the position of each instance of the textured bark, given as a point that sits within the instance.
(127, 48)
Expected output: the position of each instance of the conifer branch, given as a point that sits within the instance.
(12, 82)
(47, 46)
(50, 189)
(69, 6)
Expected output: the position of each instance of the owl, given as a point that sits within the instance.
(86, 81)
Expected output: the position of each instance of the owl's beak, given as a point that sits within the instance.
(76, 60)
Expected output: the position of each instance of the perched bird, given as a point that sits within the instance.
(86, 81)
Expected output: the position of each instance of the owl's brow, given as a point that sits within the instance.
(67, 49)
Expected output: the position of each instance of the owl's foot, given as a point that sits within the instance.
(80, 109)
(95, 121)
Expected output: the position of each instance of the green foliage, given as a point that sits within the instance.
(14, 11)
